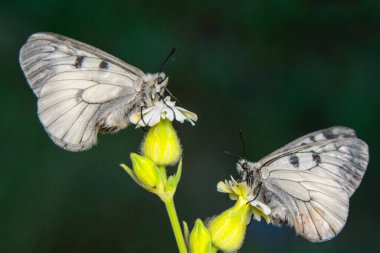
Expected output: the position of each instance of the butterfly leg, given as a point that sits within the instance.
(258, 192)
(244, 177)
(172, 96)
(241, 177)
(163, 100)
(145, 127)
(248, 177)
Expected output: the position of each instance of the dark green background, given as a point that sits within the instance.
(275, 69)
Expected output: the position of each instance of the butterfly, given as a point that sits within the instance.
(307, 183)
(82, 90)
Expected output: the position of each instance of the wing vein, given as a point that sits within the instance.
(335, 199)
(312, 219)
(298, 214)
(64, 113)
(88, 49)
(92, 117)
(39, 113)
(338, 216)
(332, 229)
(60, 91)
(74, 121)
(87, 70)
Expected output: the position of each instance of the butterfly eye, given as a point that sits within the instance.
(160, 80)
(245, 166)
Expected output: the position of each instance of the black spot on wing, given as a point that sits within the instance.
(294, 160)
(316, 158)
(103, 65)
(328, 134)
(338, 132)
(78, 61)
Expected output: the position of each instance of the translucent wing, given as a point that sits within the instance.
(309, 181)
(336, 132)
(76, 86)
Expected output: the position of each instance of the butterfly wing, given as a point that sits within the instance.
(76, 85)
(336, 132)
(309, 182)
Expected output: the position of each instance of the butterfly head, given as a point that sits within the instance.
(243, 166)
(247, 170)
(155, 84)
(160, 83)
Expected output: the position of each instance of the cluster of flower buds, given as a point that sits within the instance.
(160, 148)
(226, 231)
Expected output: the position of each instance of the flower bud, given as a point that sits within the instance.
(162, 145)
(200, 240)
(228, 229)
(145, 170)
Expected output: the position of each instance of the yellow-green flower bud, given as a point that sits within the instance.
(162, 144)
(228, 229)
(200, 240)
(146, 171)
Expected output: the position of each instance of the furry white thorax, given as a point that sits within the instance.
(153, 84)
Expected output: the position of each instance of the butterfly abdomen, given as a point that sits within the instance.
(116, 119)
(279, 212)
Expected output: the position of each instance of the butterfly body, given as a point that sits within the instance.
(82, 90)
(308, 183)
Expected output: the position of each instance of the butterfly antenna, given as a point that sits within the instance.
(172, 96)
(242, 142)
(167, 58)
(232, 154)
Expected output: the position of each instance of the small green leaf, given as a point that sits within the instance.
(179, 173)
(186, 232)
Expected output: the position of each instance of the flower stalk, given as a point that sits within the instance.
(165, 189)
(160, 148)
(173, 217)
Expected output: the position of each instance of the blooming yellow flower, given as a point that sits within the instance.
(228, 229)
(242, 191)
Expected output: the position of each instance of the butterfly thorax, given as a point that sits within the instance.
(152, 90)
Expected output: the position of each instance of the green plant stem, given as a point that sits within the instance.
(175, 225)
(163, 173)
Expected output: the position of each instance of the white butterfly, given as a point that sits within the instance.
(82, 90)
(307, 183)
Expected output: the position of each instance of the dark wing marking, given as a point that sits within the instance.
(75, 84)
(336, 132)
(311, 192)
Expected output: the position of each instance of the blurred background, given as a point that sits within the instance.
(275, 69)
